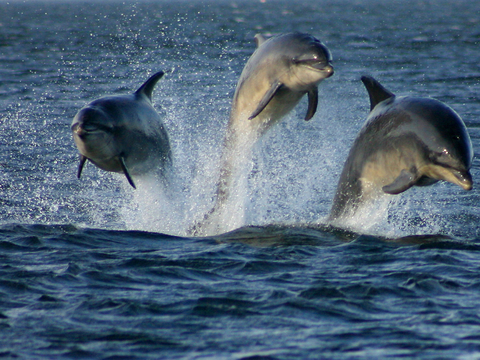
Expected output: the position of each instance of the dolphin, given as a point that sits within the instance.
(405, 141)
(279, 73)
(123, 133)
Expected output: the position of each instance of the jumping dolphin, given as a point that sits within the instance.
(405, 142)
(278, 74)
(123, 133)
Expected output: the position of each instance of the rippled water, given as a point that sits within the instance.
(91, 268)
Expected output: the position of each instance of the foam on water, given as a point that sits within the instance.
(273, 181)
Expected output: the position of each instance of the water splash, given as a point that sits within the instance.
(419, 211)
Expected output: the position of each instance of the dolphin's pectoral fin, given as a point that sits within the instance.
(376, 91)
(403, 182)
(266, 99)
(312, 103)
(121, 159)
(83, 159)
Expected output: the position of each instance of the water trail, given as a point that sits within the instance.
(416, 212)
(228, 211)
(367, 217)
(153, 206)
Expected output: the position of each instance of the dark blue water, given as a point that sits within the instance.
(91, 268)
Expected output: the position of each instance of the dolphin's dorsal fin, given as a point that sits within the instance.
(376, 91)
(266, 99)
(403, 182)
(147, 88)
(259, 39)
(312, 103)
(121, 159)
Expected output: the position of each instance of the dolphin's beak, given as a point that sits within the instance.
(325, 69)
(78, 130)
(328, 70)
(463, 179)
(322, 66)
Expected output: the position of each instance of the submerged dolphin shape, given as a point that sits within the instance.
(405, 142)
(123, 133)
(279, 73)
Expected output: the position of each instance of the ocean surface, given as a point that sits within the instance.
(91, 268)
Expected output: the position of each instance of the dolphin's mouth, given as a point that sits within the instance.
(464, 179)
(328, 70)
(83, 130)
(78, 130)
(317, 65)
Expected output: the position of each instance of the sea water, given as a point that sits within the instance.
(91, 268)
